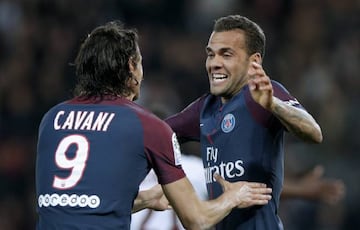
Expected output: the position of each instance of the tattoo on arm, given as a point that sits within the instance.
(297, 121)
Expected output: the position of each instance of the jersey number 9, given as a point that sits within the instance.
(76, 165)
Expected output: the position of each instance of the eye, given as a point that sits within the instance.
(210, 54)
(227, 54)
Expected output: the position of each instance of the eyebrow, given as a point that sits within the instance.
(221, 50)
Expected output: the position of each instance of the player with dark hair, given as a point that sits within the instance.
(241, 122)
(95, 149)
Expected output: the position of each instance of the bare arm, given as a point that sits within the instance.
(296, 120)
(313, 186)
(152, 198)
(197, 214)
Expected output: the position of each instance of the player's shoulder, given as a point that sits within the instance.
(148, 118)
(143, 112)
(198, 103)
(283, 94)
(278, 87)
(208, 100)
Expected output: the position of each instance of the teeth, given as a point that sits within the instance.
(218, 76)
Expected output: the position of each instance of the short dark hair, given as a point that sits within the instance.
(102, 64)
(254, 35)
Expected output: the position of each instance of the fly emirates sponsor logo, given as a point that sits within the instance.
(227, 170)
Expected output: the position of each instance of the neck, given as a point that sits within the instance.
(227, 98)
(131, 97)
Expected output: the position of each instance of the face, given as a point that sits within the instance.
(227, 63)
(137, 76)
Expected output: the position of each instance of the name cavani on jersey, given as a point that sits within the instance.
(83, 120)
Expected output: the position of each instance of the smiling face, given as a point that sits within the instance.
(227, 63)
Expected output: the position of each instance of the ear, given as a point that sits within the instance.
(256, 57)
(128, 82)
(131, 64)
(131, 70)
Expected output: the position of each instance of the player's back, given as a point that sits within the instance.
(90, 162)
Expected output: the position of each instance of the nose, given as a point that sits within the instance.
(214, 62)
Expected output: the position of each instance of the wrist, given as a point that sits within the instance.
(273, 104)
(140, 202)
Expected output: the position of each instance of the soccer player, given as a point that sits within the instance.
(95, 149)
(241, 122)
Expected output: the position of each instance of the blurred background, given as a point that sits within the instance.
(313, 48)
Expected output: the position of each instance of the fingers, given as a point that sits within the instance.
(318, 171)
(256, 185)
(259, 199)
(164, 203)
(221, 181)
(254, 194)
(256, 202)
(255, 70)
(261, 193)
(248, 193)
(260, 83)
(336, 192)
(219, 178)
(258, 78)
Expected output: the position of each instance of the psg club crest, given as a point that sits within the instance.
(228, 123)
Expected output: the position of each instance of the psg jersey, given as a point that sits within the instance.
(92, 154)
(241, 141)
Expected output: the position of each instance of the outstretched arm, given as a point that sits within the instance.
(313, 186)
(296, 120)
(197, 214)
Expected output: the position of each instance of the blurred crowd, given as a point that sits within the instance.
(313, 48)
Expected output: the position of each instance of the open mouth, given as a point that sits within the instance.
(216, 77)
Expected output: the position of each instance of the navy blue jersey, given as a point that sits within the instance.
(92, 155)
(241, 141)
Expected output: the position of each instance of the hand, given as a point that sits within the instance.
(152, 198)
(316, 187)
(247, 193)
(260, 86)
(156, 199)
